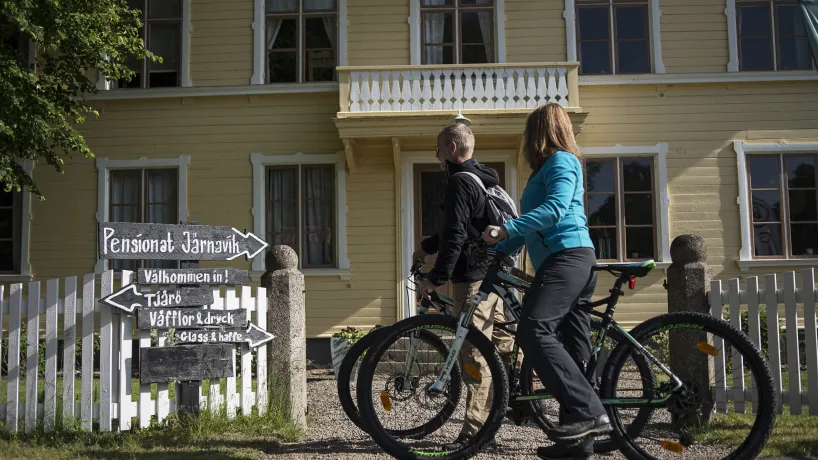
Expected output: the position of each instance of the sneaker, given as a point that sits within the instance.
(574, 431)
(563, 452)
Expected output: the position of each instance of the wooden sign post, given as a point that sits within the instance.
(214, 332)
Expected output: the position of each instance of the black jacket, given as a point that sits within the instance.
(464, 219)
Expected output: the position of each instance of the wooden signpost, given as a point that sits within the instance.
(215, 333)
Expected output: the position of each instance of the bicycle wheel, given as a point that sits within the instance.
(355, 356)
(705, 416)
(382, 406)
(545, 412)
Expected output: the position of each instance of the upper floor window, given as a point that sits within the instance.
(301, 40)
(771, 36)
(11, 225)
(784, 210)
(457, 31)
(161, 31)
(144, 196)
(620, 208)
(613, 36)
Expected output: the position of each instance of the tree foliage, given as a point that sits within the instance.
(42, 97)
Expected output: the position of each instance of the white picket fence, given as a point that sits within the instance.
(69, 314)
(799, 312)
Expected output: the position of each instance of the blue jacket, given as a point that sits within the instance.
(552, 204)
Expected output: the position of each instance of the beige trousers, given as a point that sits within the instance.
(475, 368)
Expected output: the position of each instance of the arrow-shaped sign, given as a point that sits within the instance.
(254, 336)
(129, 298)
(127, 240)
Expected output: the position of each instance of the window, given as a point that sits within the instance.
(300, 201)
(613, 36)
(457, 31)
(146, 196)
(301, 40)
(771, 36)
(144, 191)
(11, 229)
(784, 210)
(620, 208)
(301, 212)
(161, 30)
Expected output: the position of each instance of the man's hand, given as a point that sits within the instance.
(491, 230)
(419, 255)
(424, 287)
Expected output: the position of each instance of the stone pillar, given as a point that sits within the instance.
(688, 280)
(287, 353)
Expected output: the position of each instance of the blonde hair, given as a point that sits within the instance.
(461, 135)
(547, 131)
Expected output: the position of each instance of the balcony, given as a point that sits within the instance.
(402, 100)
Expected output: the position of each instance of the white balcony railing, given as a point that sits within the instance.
(487, 86)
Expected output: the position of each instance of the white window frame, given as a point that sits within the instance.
(260, 163)
(104, 167)
(744, 201)
(104, 84)
(654, 26)
(415, 31)
(658, 153)
(731, 11)
(26, 216)
(260, 50)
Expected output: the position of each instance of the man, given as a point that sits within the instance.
(464, 218)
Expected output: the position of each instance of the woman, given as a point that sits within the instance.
(553, 228)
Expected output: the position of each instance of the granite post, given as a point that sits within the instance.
(287, 355)
(688, 279)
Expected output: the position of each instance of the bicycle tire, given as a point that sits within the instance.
(448, 324)
(348, 403)
(753, 359)
(602, 444)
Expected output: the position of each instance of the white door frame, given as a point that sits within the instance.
(408, 161)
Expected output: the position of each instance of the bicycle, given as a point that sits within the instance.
(684, 399)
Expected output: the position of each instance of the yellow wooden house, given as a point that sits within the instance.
(312, 123)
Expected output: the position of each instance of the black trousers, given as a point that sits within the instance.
(555, 334)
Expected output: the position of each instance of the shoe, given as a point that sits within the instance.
(462, 439)
(578, 430)
(562, 451)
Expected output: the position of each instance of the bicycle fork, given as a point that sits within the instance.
(463, 324)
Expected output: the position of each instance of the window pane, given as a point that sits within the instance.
(793, 53)
(323, 5)
(319, 196)
(125, 187)
(601, 210)
(320, 54)
(754, 20)
(763, 172)
(600, 176)
(604, 240)
(475, 2)
(281, 35)
(804, 239)
(637, 175)
(165, 41)
(476, 27)
(282, 198)
(162, 196)
(767, 240)
(6, 256)
(6, 223)
(632, 57)
(432, 187)
(593, 23)
(638, 209)
(595, 57)
(438, 2)
(801, 172)
(6, 198)
(631, 22)
(438, 54)
(803, 207)
(766, 206)
(278, 6)
(319, 32)
(755, 54)
(438, 27)
(165, 9)
(639, 243)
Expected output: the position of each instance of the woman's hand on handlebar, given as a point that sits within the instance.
(494, 234)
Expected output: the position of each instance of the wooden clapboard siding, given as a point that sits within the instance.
(694, 36)
(221, 42)
(535, 31)
(378, 32)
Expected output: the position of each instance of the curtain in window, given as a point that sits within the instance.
(433, 28)
(282, 193)
(125, 196)
(486, 24)
(319, 185)
(161, 197)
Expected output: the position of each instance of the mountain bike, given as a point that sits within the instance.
(683, 349)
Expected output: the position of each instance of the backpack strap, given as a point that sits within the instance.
(473, 176)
